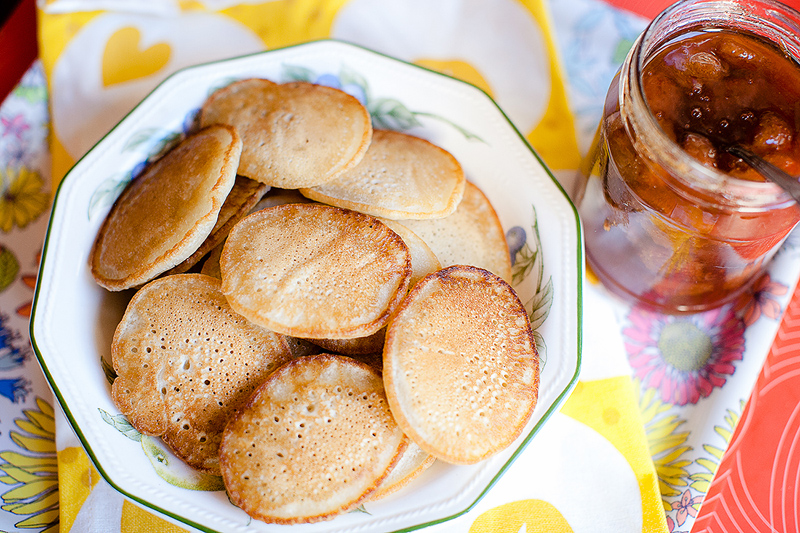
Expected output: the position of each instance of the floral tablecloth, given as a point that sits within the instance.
(690, 376)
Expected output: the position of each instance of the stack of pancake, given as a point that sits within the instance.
(319, 310)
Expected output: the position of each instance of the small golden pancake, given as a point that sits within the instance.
(414, 462)
(295, 134)
(472, 235)
(243, 196)
(423, 262)
(273, 197)
(185, 362)
(315, 272)
(313, 441)
(400, 176)
(163, 216)
(460, 365)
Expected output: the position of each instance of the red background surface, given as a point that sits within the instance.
(18, 47)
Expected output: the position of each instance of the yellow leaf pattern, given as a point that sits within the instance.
(32, 475)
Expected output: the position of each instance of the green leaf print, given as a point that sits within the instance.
(349, 76)
(298, 73)
(121, 424)
(106, 193)
(388, 113)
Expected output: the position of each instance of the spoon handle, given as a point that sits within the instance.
(786, 181)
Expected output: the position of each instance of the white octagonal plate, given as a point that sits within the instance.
(73, 319)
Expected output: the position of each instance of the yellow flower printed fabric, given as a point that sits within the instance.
(23, 198)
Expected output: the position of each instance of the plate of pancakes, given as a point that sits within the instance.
(315, 286)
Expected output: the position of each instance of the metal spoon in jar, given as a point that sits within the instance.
(786, 181)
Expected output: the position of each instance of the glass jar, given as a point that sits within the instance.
(661, 227)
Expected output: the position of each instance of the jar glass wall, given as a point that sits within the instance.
(670, 219)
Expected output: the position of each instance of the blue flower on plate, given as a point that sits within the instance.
(515, 237)
(353, 89)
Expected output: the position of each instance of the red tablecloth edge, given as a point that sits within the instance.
(756, 484)
(645, 8)
(651, 8)
(18, 46)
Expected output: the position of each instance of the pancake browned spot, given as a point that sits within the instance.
(314, 271)
(460, 365)
(401, 176)
(163, 216)
(315, 440)
(472, 235)
(295, 134)
(185, 362)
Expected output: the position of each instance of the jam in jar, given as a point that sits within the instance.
(671, 218)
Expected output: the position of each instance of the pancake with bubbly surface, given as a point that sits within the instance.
(185, 361)
(460, 365)
(401, 176)
(315, 272)
(423, 262)
(295, 134)
(315, 440)
(163, 216)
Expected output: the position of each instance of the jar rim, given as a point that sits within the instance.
(699, 15)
